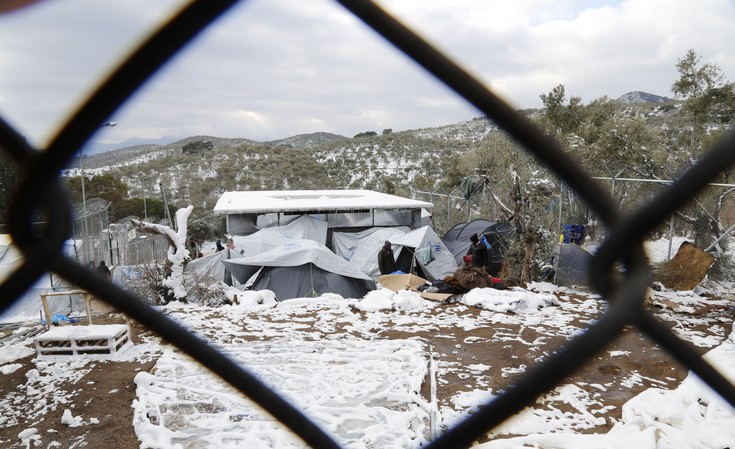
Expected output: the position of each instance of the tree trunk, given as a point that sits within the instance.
(177, 256)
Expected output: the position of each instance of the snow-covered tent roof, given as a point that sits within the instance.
(267, 201)
(313, 269)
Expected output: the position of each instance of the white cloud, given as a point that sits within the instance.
(272, 69)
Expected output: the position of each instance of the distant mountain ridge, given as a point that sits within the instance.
(307, 140)
(642, 97)
(473, 130)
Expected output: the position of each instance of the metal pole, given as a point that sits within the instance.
(85, 239)
(165, 206)
(671, 236)
(81, 172)
(449, 218)
(561, 201)
(109, 236)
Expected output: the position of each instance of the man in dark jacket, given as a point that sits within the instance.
(478, 251)
(386, 260)
(103, 270)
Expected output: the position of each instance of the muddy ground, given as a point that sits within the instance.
(106, 389)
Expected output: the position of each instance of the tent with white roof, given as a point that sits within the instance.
(249, 211)
(300, 268)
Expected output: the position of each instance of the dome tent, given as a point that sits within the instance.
(498, 234)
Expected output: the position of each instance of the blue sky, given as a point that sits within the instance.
(276, 68)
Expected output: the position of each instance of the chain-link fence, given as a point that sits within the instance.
(95, 239)
(90, 232)
(707, 220)
(624, 290)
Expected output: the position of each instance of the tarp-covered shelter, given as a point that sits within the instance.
(211, 266)
(29, 305)
(250, 211)
(498, 234)
(572, 264)
(298, 269)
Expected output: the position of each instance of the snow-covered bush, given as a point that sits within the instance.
(206, 291)
(147, 283)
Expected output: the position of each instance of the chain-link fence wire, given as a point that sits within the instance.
(41, 190)
(90, 240)
(450, 208)
(707, 220)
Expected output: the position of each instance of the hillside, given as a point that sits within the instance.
(394, 162)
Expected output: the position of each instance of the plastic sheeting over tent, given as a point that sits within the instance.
(29, 305)
(304, 227)
(211, 266)
(301, 268)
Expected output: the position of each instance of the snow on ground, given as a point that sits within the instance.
(367, 391)
(691, 416)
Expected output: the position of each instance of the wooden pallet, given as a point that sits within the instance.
(93, 339)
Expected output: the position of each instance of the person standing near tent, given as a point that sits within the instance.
(386, 260)
(478, 251)
(103, 270)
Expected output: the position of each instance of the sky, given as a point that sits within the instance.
(271, 69)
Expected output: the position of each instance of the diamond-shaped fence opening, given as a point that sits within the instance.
(624, 289)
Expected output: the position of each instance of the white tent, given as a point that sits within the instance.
(361, 249)
(434, 260)
(300, 268)
(425, 249)
(29, 305)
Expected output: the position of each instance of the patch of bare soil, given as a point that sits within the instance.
(104, 393)
(630, 365)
